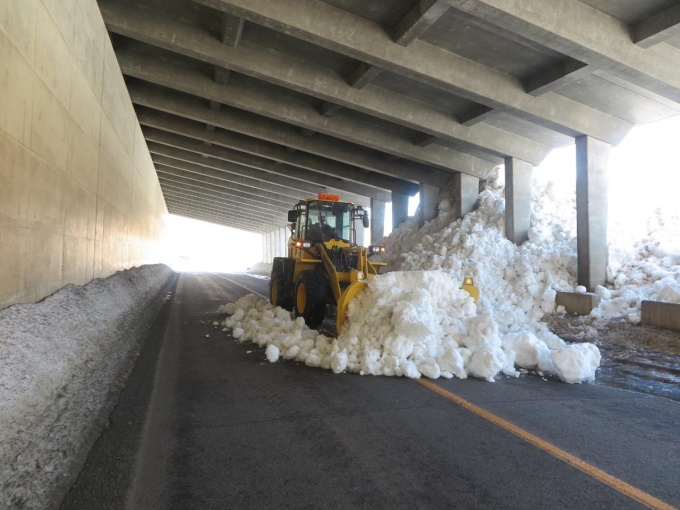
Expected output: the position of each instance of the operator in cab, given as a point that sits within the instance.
(327, 231)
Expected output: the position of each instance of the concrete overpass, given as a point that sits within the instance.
(115, 113)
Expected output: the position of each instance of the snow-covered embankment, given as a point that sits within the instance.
(63, 362)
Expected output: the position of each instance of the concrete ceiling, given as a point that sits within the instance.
(250, 105)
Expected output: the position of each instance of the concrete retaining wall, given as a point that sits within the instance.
(79, 197)
(579, 304)
(64, 362)
(660, 314)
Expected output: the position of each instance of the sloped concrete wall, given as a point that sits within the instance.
(79, 197)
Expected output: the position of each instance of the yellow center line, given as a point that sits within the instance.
(619, 485)
(242, 286)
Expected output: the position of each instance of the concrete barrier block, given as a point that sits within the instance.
(663, 315)
(579, 304)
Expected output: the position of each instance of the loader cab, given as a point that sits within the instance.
(325, 220)
(326, 262)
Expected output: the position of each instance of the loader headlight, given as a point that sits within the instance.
(468, 281)
(375, 249)
(303, 244)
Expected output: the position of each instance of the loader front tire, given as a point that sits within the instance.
(310, 297)
(280, 289)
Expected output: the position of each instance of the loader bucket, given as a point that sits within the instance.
(350, 293)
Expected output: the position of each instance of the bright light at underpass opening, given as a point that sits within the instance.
(193, 245)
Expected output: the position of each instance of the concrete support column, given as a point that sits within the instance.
(283, 247)
(429, 202)
(466, 190)
(274, 244)
(377, 220)
(592, 157)
(517, 199)
(269, 247)
(270, 254)
(399, 209)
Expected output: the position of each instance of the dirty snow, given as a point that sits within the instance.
(62, 360)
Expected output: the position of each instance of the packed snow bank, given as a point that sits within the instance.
(518, 281)
(517, 284)
(648, 269)
(410, 324)
(62, 364)
(261, 268)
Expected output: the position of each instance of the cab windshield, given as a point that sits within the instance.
(329, 220)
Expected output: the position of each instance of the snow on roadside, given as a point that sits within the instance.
(61, 362)
(647, 270)
(261, 269)
(409, 324)
(416, 321)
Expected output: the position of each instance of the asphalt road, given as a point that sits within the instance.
(206, 422)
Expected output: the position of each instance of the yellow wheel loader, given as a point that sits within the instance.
(326, 264)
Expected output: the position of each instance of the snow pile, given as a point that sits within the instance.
(62, 362)
(647, 270)
(644, 220)
(415, 321)
(410, 324)
(521, 281)
(517, 284)
(261, 268)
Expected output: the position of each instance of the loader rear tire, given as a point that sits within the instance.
(279, 289)
(310, 297)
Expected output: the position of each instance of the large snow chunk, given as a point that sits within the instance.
(670, 294)
(430, 368)
(527, 348)
(482, 331)
(576, 363)
(339, 362)
(272, 353)
(452, 361)
(486, 362)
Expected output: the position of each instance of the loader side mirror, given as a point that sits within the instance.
(293, 215)
(364, 220)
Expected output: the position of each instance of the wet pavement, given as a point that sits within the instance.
(638, 358)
